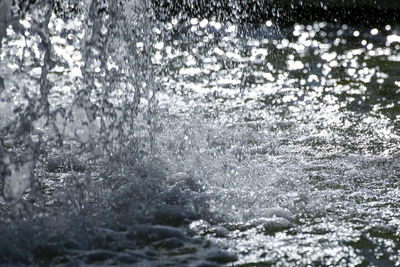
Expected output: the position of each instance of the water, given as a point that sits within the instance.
(126, 140)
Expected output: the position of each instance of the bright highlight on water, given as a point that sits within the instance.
(195, 141)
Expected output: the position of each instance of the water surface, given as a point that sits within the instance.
(131, 141)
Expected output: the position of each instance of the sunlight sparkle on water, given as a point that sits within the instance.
(280, 144)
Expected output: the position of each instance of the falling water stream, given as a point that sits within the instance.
(128, 141)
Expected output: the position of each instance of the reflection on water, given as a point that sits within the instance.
(317, 73)
(294, 129)
(278, 146)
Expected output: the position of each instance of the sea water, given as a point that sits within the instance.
(196, 142)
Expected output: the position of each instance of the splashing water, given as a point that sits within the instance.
(126, 140)
(80, 85)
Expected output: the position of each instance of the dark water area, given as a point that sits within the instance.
(192, 141)
(284, 12)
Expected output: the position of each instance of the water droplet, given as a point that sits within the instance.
(374, 31)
